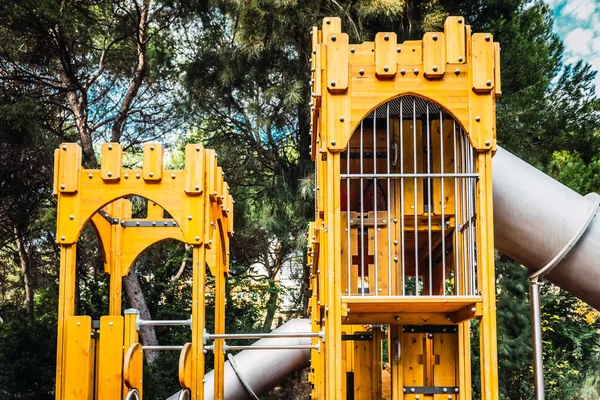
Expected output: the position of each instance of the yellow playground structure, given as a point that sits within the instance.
(401, 251)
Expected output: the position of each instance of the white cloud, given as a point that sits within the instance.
(580, 9)
(579, 42)
(554, 3)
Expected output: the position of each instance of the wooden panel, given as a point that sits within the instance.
(152, 167)
(337, 62)
(385, 54)
(413, 353)
(185, 367)
(445, 348)
(211, 170)
(411, 137)
(78, 358)
(363, 369)
(411, 53)
(497, 81)
(194, 169)
(219, 185)
(454, 28)
(69, 164)
(482, 61)
(110, 353)
(409, 304)
(443, 143)
(434, 55)
(112, 161)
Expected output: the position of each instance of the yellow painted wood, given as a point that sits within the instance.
(443, 141)
(69, 164)
(152, 166)
(411, 54)
(385, 54)
(194, 169)
(110, 367)
(454, 29)
(198, 323)
(133, 365)
(363, 369)
(79, 356)
(337, 61)
(497, 79)
(412, 145)
(445, 355)
(434, 55)
(407, 304)
(112, 162)
(482, 59)
(414, 318)
(185, 367)
(130, 338)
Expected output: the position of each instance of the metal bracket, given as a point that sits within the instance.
(431, 389)
(358, 337)
(429, 329)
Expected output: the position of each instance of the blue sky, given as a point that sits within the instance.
(577, 22)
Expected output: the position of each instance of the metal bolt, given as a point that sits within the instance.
(151, 174)
(62, 187)
(197, 148)
(126, 176)
(386, 68)
(78, 323)
(473, 309)
(395, 242)
(396, 259)
(109, 174)
(342, 119)
(402, 71)
(380, 289)
(412, 390)
(153, 223)
(210, 242)
(111, 323)
(151, 147)
(71, 217)
(189, 217)
(197, 238)
(460, 59)
(63, 238)
(352, 50)
(460, 21)
(416, 71)
(362, 72)
(487, 143)
(333, 142)
(478, 118)
(455, 390)
(110, 147)
(397, 318)
(487, 38)
(137, 224)
(137, 176)
(332, 83)
(333, 38)
(197, 188)
(64, 147)
(435, 37)
(386, 38)
(435, 68)
(173, 176)
(488, 83)
(327, 21)
(457, 71)
(90, 176)
(444, 389)
(165, 223)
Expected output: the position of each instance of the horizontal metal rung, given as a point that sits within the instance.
(146, 223)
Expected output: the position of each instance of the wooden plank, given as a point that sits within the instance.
(482, 60)
(152, 164)
(413, 354)
(69, 165)
(408, 304)
(78, 372)
(363, 369)
(497, 79)
(390, 318)
(454, 28)
(434, 55)
(385, 54)
(410, 54)
(412, 145)
(337, 62)
(110, 368)
(112, 162)
(445, 357)
(185, 367)
(194, 169)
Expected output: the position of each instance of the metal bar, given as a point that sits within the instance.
(162, 347)
(175, 322)
(349, 243)
(270, 347)
(427, 390)
(375, 190)
(429, 202)
(362, 217)
(389, 202)
(536, 337)
(457, 203)
(148, 224)
(401, 216)
(419, 175)
(416, 206)
(443, 205)
(212, 336)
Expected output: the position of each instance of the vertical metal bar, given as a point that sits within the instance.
(457, 203)
(443, 206)
(401, 216)
(362, 217)
(536, 337)
(429, 202)
(349, 241)
(471, 220)
(375, 190)
(389, 202)
(415, 198)
(464, 211)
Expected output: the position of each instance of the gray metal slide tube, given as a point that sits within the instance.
(535, 217)
(263, 369)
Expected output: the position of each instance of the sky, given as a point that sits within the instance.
(577, 22)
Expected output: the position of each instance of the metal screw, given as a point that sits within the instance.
(386, 38)
(488, 83)
(333, 142)
(151, 174)
(197, 148)
(380, 289)
(197, 188)
(460, 59)
(435, 68)
(63, 238)
(457, 71)
(197, 238)
(416, 71)
(62, 187)
(333, 38)
(342, 119)
(332, 83)
(460, 21)
(362, 72)
(352, 50)
(137, 176)
(402, 71)
(110, 147)
(327, 21)
(487, 38)
(111, 323)
(398, 49)
(386, 68)
(78, 323)
(189, 217)
(435, 37)
(487, 143)
(71, 217)
(173, 176)
(151, 147)
(90, 176)
(109, 174)
(126, 176)
(64, 147)
(478, 118)
(210, 242)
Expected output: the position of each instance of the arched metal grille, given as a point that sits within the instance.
(408, 185)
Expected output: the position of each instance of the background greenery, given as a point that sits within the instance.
(234, 75)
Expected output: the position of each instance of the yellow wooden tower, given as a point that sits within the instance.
(402, 243)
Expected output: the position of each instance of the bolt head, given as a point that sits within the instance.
(64, 147)
(63, 238)
(487, 143)
(109, 174)
(352, 50)
(478, 118)
(328, 21)
(398, 49)
(151, 174)
(457, 71)
(362, 72)
(137, 176)
(189, 217)
(386, 68)
(333, 142)
(332, 83)
(386, 38)
(460, 59)
(402, 71)
(173, 176)
(90, 176)
(342, 119)
(62, 187)
(151, 147)
(416, 71)
(197, 238)
(126, 176)
(487, 38)
(333, 38)
(435, 68)
(435, 37)
(488, 83)
(197, 188)
(110, 147)
(460, 21)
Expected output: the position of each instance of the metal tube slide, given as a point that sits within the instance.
(535, 218)
(261, 370)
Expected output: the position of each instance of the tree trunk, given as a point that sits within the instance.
(271, 306)
(24, 262)
(137, 301)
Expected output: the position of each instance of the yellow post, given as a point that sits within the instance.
(66, 309)
(198, 318)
